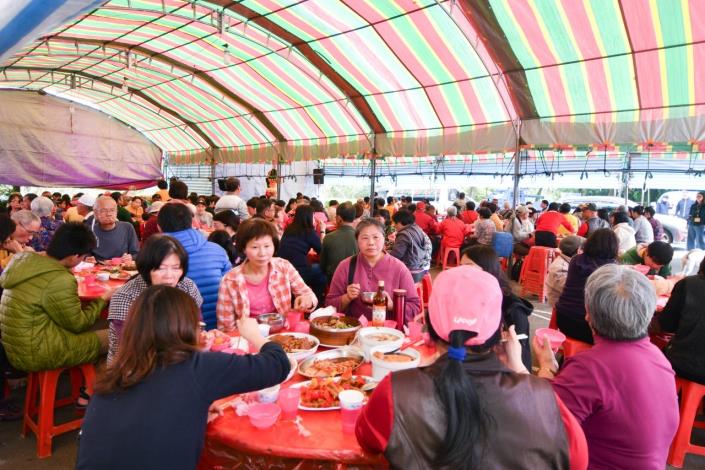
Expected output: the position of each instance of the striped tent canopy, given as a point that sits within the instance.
(267, 80)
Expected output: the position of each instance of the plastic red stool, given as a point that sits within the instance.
(419, 292)
(571, 347)
(691, 397)
(447, 251)
(427, 285)
(42, 385)
(534, 271)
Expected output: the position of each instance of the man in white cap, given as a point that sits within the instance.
(82, 209)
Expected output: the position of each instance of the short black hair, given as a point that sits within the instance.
(178, 190)
(461, 195)
(252, 202)
(638, 210)
(660, 252)
(174, 217)
(411, 207)
(485, 212)
(403, 217)
(366, 199)
(332, 202)
(650, 210)
(552, 206)
(7, 227)
(116, 195)
(263, 205)
(390, 199)
(232, 184)
(152, 254)
(544, 201)
(470, 205)
(252, 229)
(602, 244)
(346, 212)
(71, 238)
(564, 208)
(161, 184)
(228, 218)
(619, 217)
(222, 238)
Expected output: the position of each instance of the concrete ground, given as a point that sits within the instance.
(17, 453)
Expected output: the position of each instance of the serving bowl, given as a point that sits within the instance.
(381, 367)
(274, 320)
(387, 339)
(307, 367)
(332, 336)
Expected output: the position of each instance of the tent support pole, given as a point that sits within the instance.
(279, 178)
(373, 174)
(625, 177)
(213, 167)
(517, 166)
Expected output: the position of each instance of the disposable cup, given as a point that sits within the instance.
(415, 330)
(264, 329)
(292, 319)
(289, 402)
(350, 408)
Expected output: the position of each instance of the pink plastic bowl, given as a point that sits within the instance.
(264, 415)
(555, 337)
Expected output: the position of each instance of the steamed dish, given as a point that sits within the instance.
(397, 357)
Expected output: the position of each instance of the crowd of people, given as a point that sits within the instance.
(224, 261)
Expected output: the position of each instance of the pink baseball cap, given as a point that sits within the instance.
(465, 298)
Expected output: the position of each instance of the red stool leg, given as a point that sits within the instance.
(30, 402)
(47, 397)
(691, 397)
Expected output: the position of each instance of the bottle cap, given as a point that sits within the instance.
(399, 291)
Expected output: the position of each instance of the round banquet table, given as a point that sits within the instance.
(232, 442)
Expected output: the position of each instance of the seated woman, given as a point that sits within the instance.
(522, 229)
(41, 311)
(515, 310)
(599, 249)
(44, 208)
(467, 410)
(624, 231)
(484, 228)
(222, 238)
(622, 390)
(136, 209)
(150, 407)
(161, 261)
(361, 273)
(300, 237)
(683, 316)
(262, 283)
(229, 221)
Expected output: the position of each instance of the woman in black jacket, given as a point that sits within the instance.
(684, 316)
(696, 223)
(515, 310)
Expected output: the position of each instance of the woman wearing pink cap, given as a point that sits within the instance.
(468, 410)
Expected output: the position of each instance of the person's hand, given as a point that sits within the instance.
(544, 354)
(108, 294)
(249, 329)
(353, 291)
(13, 246)
(127, 258)
(304, 303)
(512, 348)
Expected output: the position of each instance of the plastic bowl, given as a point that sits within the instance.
(264, 415)
(555, 337)
(381, 368)
(369, 338)
(366, 297)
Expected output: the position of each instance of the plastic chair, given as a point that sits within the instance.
(503, 244)
(42, 385)
(419, 292)
(571, 347)
(691, 397)
(427, 284)
(534, 271)
(447, 251)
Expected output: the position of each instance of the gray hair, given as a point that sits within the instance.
(452, 211)
(25, 217)
(620, 302)
(42, 206)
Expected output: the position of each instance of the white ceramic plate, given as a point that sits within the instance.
(330, 408)
(299, 355)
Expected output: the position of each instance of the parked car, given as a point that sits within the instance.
(674, 229)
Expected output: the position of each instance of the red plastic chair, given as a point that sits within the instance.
(419, 292)
(447, 251)
(42, 386)
(691, 398)
(534, 271)
(427, 284)
(571, 347)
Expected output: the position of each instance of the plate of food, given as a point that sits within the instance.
(296, 345)
(120, 275)
(331, 363)
(321, 394)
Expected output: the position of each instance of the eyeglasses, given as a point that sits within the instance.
(106, 211)
(31, 232)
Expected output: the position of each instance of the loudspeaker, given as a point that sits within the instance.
(221, 184)
(318, 176)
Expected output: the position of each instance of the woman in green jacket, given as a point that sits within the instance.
(41, 319)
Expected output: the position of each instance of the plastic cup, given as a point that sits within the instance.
(302, 327)
(350, 408)
(264, 329)
(415, 330)
(292, 319)
(289, 402)
(555, 337)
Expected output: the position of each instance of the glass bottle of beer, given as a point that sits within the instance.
(379, 305)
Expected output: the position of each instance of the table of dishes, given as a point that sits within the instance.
(266, 429)
(94, 280)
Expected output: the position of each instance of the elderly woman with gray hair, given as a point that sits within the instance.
(452, 230)
(44, 208)
(622, 390)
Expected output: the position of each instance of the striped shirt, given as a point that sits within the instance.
(233, 299)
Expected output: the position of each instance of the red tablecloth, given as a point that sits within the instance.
(232, 442)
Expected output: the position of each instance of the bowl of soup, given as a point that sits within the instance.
(388, 339)
(384, 362)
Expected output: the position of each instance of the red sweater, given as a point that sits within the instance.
(374, 426)
(427, 223)
(469, 217)
(550, 221)
(453, 231)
